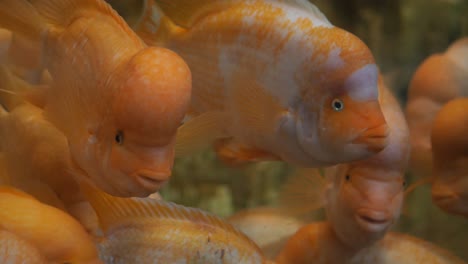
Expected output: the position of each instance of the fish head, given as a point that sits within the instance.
(135, 145)
(344, 124)
(368, 200)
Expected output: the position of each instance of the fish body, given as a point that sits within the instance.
(5, 40)
(317, 243)
(117, 101)
(36, 154)
(439, 79)
(450, 157)
(362, 200)
(15, 250)
(267, 227)
(271, 80)
(57, 236)
(144, 230)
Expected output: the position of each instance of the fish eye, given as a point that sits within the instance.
(337, 104)
(404, 183)
(119, 137)
(347, 177)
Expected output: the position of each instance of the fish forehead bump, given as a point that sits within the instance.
(156, 90)
(361, 85)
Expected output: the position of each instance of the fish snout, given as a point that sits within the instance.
(375, 139)
(152, 180)
(373, 220)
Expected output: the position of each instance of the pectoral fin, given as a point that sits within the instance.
(255, 107)
(303, 193)
(200, 132)
(234, 153)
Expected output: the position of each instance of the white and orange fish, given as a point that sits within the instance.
(272, 79)
(56, 235)
(118, 102)
(449, 139)
(362, 199)
(146, 230)
(36, 154)
(439, 79)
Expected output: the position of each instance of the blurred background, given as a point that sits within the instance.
(401, 34)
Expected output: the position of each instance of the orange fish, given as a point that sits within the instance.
(146, 230)
(362, 199)
(449, 139)
(16, 250)
(118, 102)
(272, 80)
(57, 236)
(439, 79)
(317, 243)
(267, 227)
(36, 154)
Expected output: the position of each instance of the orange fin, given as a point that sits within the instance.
(410, 189)
(200, 132)
(234, 153)
(413, 186)
(186, 12)
(60, 13)
(255, 106)
(303, 193)
(113, 210)
(14, 91)
(154, 27)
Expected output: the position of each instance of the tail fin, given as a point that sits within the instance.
(154, 27)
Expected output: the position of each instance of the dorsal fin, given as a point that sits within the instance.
(186, 12)
(307, 6)
(62, 12)
(111, 210)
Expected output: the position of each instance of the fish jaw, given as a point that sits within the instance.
(374, 139)
(373, 221)
(150, 180)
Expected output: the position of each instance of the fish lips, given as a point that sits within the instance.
(374, 139)
(372, 220)
(151, 181)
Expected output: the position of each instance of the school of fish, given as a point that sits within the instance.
(93, 113)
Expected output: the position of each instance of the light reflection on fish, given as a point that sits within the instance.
(271, 80)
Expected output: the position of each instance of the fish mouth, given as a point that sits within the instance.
(375, 139)
(151, 181)
(372, 221)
